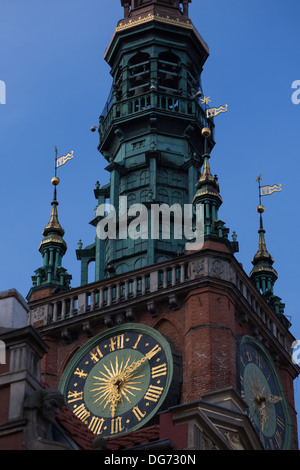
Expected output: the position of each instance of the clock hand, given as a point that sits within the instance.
(135, 364)
(273, 399)
(114, 399)
(263, 414)
(262, 401)
(115, 394)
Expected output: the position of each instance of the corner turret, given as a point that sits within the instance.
(208, 194)
(263, 274)
(51, 276)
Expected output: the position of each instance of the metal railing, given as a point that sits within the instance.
(154, 100)
(113, 292)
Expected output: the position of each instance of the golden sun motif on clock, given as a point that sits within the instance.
(115, 383)
(119, 379)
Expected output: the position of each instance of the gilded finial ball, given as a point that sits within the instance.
(55, 181)
(206, 132)
(260, 209)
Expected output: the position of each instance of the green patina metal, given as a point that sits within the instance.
(150, 128)
(264, 276)
(52, 248)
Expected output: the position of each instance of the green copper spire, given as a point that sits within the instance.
(149, 132)
(208, 194)
(52, 248)
(263, 274)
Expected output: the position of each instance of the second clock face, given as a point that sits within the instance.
(119, 379)
(262, 390)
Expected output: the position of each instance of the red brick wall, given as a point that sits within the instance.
(12, 442)
(204, 330)
(210, 343)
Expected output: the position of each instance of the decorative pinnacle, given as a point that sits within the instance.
(260, 209)
(54, 225)
(55, 181)
(206, 132)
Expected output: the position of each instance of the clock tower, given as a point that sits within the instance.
(168, 347)
(149, 131)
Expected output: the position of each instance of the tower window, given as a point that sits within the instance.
(192, 81)
(168, 72)
(139, 74)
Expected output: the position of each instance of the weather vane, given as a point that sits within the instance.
(205, 100)
(265, 191)
(213, 112)
(59, 161)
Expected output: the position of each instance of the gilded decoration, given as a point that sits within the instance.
(151, 17)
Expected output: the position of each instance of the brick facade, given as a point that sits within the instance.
(205, 326)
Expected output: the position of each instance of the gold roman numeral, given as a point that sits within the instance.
(116, 342)
(258, 360)
(278, 439)
(95, 353)
(74, 396)
(81, 374)
(96, 425)
(280, 422)
(153, 393)
(153, 351)
(249, 355)
(138, 413)
(81, 412)
(116, 425)
(137, 341)
(158, 371)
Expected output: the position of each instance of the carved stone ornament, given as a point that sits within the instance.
(234, 440)
(151, 307)
(217, 267)
(232, 275)
(38, 314)
(173, 302)
(40, 411)
(198, 266)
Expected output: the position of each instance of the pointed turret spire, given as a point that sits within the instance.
(208, 194)
(52, 248)
(208, 191)
(53, 232)
(263, 274)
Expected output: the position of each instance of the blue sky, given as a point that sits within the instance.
(57, 82)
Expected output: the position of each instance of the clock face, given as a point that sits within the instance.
(262, 390)
(119, 379)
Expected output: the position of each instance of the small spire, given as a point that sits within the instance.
(207, 183)
(263, 274)
(53, 224)
(208, 194)
(52, 248)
